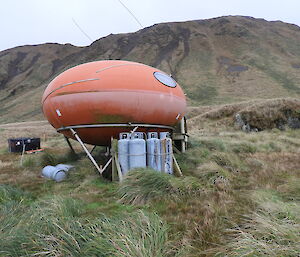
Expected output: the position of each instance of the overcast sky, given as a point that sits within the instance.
(39, 21)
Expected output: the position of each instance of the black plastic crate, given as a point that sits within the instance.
(16, 145)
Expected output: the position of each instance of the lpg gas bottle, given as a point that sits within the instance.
(153, 151)
(166, 153)
(123, 152)
(137, 151)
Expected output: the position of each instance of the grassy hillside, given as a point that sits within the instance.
(239, 197)
(217, 61)
(240, 192)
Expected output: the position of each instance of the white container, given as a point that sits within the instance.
(59, 175)
(64, 167)
(139, 135)
(167, 155)
(153, 151)
(54, 173)
(123, 152)
(164, 135)
(47, 171)
(137, 151)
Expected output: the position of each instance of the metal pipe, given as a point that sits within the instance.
(114, 125)
(70, 145)
(93, 149)
(86, 150)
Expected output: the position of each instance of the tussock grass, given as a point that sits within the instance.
(29, 161)
(272, 113)
(139, 186)
(9, 193)
(212, 175)
(229, 161)
(261, 114)
(271, 230)
(138, 235)
(290, 190)
(213, 144)
(56, 227)
(243, 147)
(143, 185)
(50, 158)
(239, 193)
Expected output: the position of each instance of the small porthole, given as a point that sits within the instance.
(165, 79)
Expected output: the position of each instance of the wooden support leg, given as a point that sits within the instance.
(116, 169)
(114, 172)
(177, 170)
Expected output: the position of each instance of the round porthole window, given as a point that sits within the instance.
(165, 79)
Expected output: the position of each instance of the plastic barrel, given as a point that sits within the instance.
(123, 151)
(64, 167)
(137, 153)
(59, 175)
(47, 171)
(54, 173)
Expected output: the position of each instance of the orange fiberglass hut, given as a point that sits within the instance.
(104, 98)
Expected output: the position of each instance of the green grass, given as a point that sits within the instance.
(51, 158)
(243, 147)
(57, 226)
(204, 93)
(282, 78)
(271, 230)
(142, 186)
(238, 190)
(12, 194)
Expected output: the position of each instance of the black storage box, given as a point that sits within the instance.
(16, 145)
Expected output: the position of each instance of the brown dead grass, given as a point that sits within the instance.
(40, 129)
(266, 114)
(229, 164)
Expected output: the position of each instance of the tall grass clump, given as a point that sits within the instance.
(29, 161)
(58, 226)
(196, 154)
(49, 158)
(213, 144)
(139, 235)
(141, 186)
(271, 230)
(27, 229)
(9, 193)
(291, 189)
(243, 147)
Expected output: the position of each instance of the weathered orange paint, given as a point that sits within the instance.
(106, 92)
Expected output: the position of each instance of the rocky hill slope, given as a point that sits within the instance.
(221, 60)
